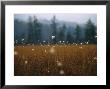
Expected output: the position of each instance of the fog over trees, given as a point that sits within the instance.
(54, 31)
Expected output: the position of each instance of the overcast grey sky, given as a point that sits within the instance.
(70, 17)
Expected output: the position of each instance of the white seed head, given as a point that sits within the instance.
(61, 72)
(22, 39)
(52, 50)
(80, 47)
(15, 53)
(26, 62)
(95, 58)
(44, 41)
(59, 64)
(81, 43)
(33, 49)
(87, 42)
(53, 37)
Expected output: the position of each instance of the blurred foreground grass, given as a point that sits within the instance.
(55, 60)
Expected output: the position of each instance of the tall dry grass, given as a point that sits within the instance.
(55, 60)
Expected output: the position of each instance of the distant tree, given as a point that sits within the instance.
(30, 31)
(69, 38)
(54, 28)
(61, 35)
(19, 31)
(36, 30)
(77, 33)
(16, 37)
(90, 32)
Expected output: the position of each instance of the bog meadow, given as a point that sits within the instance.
(55, 45)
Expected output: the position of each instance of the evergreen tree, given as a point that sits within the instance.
(77, 33)
(61, 35)
(36, 30)
(54, 28)
(69, 38)
(90, 32)
(20, 36)
(30, 31)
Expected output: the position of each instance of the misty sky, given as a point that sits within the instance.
(70, 17)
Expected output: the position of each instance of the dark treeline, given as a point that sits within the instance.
(33, 31)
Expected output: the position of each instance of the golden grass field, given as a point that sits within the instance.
(55, 60)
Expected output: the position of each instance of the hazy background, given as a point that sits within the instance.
(78, 18)
(66, 27)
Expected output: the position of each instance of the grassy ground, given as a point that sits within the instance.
(55, 60)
